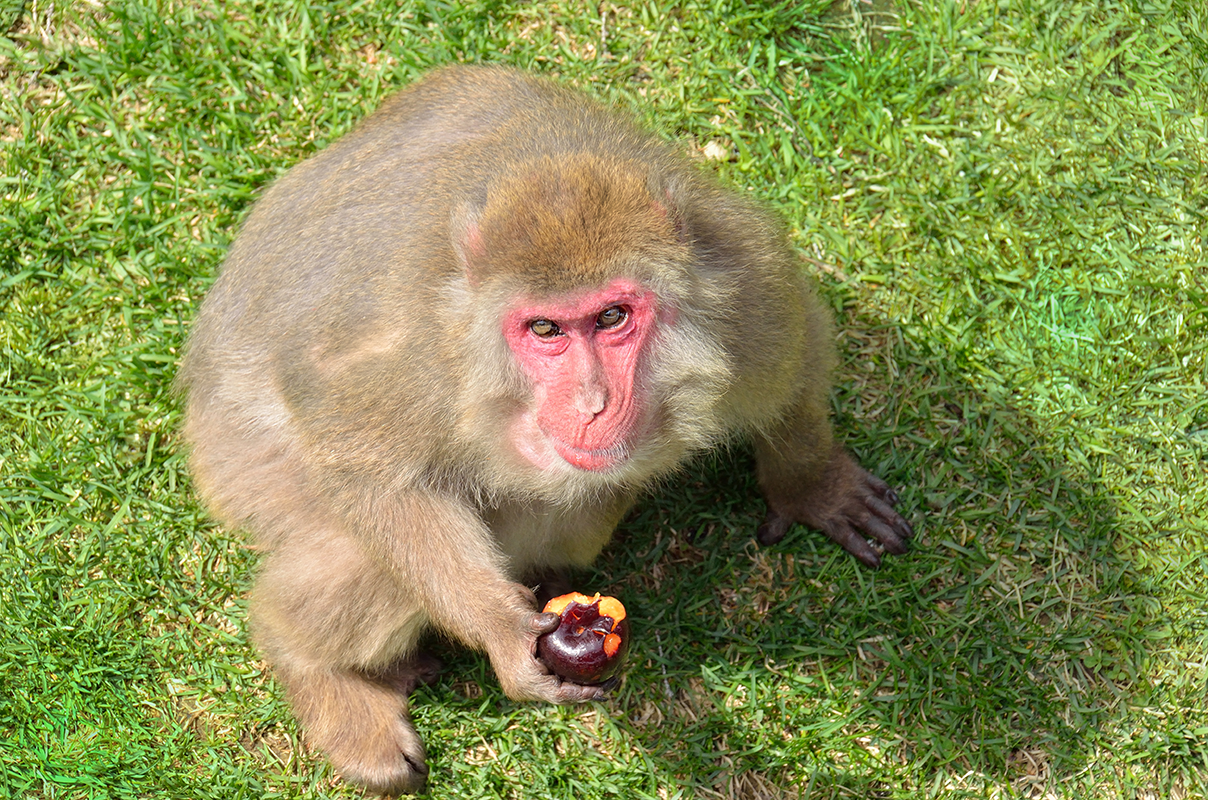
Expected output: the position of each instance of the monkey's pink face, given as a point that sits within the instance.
(582, 354)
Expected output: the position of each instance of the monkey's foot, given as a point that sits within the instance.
(407, 674)
(552, 584)
(850, 506)
(361, 724)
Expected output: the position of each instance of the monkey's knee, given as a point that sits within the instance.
(325, 602)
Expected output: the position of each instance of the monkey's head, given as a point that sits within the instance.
(591, 271)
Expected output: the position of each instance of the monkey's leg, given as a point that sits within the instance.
(805, 477)
(340, 635)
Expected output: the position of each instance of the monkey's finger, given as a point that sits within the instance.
(544, 623)
(578, 693)
(773, 529)
(610, 684)
(850, 540)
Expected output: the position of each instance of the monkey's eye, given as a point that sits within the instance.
(611, 318)
(544, 328)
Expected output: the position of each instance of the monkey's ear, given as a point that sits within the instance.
(468, 244)
(666, 191)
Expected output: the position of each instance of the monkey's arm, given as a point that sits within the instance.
(444, 557)
(805, 477)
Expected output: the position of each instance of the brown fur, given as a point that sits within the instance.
(350, 390)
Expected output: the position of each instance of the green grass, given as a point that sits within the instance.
(1006, 203)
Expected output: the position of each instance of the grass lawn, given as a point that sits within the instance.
(1006, 204)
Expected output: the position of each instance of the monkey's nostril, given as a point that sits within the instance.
(590, 405)
(588, 417)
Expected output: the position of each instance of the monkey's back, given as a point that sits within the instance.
(339, 278)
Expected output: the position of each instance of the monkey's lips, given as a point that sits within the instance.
(600, 446)
(591, 460)
(547, 450)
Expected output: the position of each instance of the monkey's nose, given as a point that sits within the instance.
(589, 403)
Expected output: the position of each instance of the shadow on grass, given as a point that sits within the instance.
(992, 654)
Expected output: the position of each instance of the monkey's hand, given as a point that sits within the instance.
(846, 503)
(521, 674)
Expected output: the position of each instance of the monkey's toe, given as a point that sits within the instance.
(405, 675)
(853, 542)
(773, 529)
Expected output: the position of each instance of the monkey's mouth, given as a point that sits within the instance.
(591, 460)
(546, 450)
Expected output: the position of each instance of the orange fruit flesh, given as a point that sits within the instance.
(609, 606)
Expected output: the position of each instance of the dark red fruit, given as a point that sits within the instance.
(590, 644)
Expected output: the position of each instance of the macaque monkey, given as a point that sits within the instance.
(444, 357)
